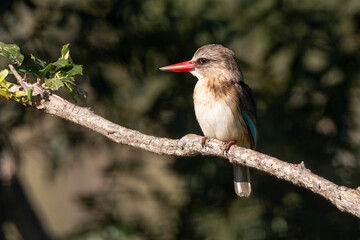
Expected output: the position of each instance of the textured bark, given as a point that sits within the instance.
(345, 199)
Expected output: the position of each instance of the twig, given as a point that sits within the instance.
(19, 78)
(38, 89)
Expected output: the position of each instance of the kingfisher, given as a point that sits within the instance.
(225, 106)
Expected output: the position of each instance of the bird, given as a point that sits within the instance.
(225, 106)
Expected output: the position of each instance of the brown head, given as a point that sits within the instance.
(210, 61)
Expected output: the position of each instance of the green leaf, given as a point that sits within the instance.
(60, 63)
(69, 85)
(38, 61)
(19, 93)
(46, 69)
(57, 65)
(12, 53)
(65, 52)
(75, 70)
(5, 94)
(3, 74)
(54, 83)
(3, 84)
(29, 95)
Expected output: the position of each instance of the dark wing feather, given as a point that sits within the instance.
(248, 108)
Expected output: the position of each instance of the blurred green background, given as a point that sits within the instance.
(301, 58)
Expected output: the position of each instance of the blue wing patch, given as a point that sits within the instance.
(250, 123)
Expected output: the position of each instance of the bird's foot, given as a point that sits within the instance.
(203, 141)
(228, 145)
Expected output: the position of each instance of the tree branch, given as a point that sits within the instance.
(345, 199)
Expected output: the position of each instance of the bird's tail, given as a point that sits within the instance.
(242, 180)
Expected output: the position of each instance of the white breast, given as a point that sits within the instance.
(216, 118)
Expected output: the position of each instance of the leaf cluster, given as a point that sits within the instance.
(55, 75)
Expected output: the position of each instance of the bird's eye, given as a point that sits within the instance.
(203, 60)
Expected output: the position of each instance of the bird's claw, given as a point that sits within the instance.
(228, 145)
(203, 141)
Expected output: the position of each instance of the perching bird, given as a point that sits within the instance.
(225, 106)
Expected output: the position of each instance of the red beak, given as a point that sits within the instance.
(180, 67)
